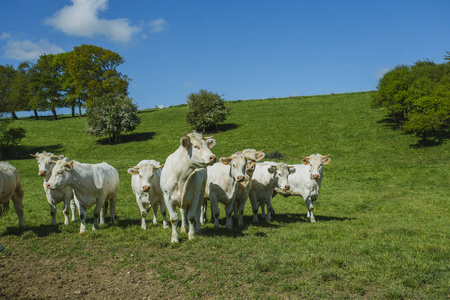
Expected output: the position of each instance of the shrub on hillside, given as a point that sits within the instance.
(206, 110)
(417, 97)
(110, 115)
(9, 138)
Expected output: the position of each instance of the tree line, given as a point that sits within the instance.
(70, 79)
(417, 97)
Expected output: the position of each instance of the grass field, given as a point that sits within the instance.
(383, 212)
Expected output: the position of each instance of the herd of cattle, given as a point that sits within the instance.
(188, 179)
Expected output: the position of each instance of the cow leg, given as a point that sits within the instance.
(67, 198)
(53, 213)
(191, 216)
(73, 209)
(183, 220)
(142, 212)
(112, 208)
(203, 209)
(263, 209)
(254, 202)
(162, 210)
(102, 214)
(173, 218)
(241, 213)
(155, 212)
(269, 209)
(18, 204)
(97, 215)
(229, 212)
(310, 208)
(214, 209)
(82, 211)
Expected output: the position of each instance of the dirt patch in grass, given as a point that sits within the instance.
(24, 276)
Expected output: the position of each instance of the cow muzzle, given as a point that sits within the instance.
(49, 186)
(42, 173)
(212, 159)
(146, 188)
(315, 176)
(240, 178)
(287, 187)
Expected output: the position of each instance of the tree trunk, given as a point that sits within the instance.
(36, 116)
(55, 116)
(79, 108)
(14, 116)
(73, 110)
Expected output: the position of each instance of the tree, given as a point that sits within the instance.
(7, 74)
(110, 115)
(46, 84)
(417, 97)
(93, 71)
(20, 88)
(206, 110)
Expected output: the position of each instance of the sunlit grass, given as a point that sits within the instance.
(383, 212)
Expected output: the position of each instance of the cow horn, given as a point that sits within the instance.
(305, 157)
(34, 155)
(326, 156)
(157, 167)
(249, 158)
(207, 137)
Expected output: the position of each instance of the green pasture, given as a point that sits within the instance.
(383, 212)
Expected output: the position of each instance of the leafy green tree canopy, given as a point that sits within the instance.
(110, 115)
(206, 110)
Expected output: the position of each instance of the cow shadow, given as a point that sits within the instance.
(296, 218)
(32, 231)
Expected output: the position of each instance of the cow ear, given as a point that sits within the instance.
(305, 161)
(71, 164)
(210, 143)
(291, 169)
(326, 160)
(225, 160)
(259, 155)
(185, 142)
(133, 171)
(272, 169)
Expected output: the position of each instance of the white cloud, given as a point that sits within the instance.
(157, 25)
(5, 36)
(28, 50)
(187, 84)
(81, 18)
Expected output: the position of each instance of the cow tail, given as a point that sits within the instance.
(4, 207)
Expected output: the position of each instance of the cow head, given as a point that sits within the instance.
(46, 161)
(145, 171)
(281, 171)
(238, 163)
(198, 149)
(254, 156)
(61, 174)
(316, 162)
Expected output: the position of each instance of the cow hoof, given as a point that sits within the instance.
(165, 225)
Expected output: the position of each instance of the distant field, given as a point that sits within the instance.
(383, 214)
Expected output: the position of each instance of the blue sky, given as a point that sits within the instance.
(240, 49)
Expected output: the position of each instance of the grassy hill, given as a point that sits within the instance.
(383, 213)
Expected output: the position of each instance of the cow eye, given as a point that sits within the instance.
(60, 172)
(196, 147)
(140, 176)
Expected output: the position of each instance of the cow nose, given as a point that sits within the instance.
(287, 187)
(212, 158)
(42, 173)
(315, 176)
(250, 168)
(146, 188)
(49, 186)
(240, 178)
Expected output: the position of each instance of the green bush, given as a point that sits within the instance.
(206, 110)
(9, 137)
(110, 115)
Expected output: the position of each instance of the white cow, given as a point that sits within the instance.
(183, 180)
(244, 187)
(92, 184)
(145, 183)
(10, 188)
(46, 161)
(306, 181)
(266, 178)
(222, 183)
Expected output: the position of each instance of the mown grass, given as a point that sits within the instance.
(383, 213)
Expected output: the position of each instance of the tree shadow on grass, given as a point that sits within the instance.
(23, 152)
(132, 137)
(222, 128)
